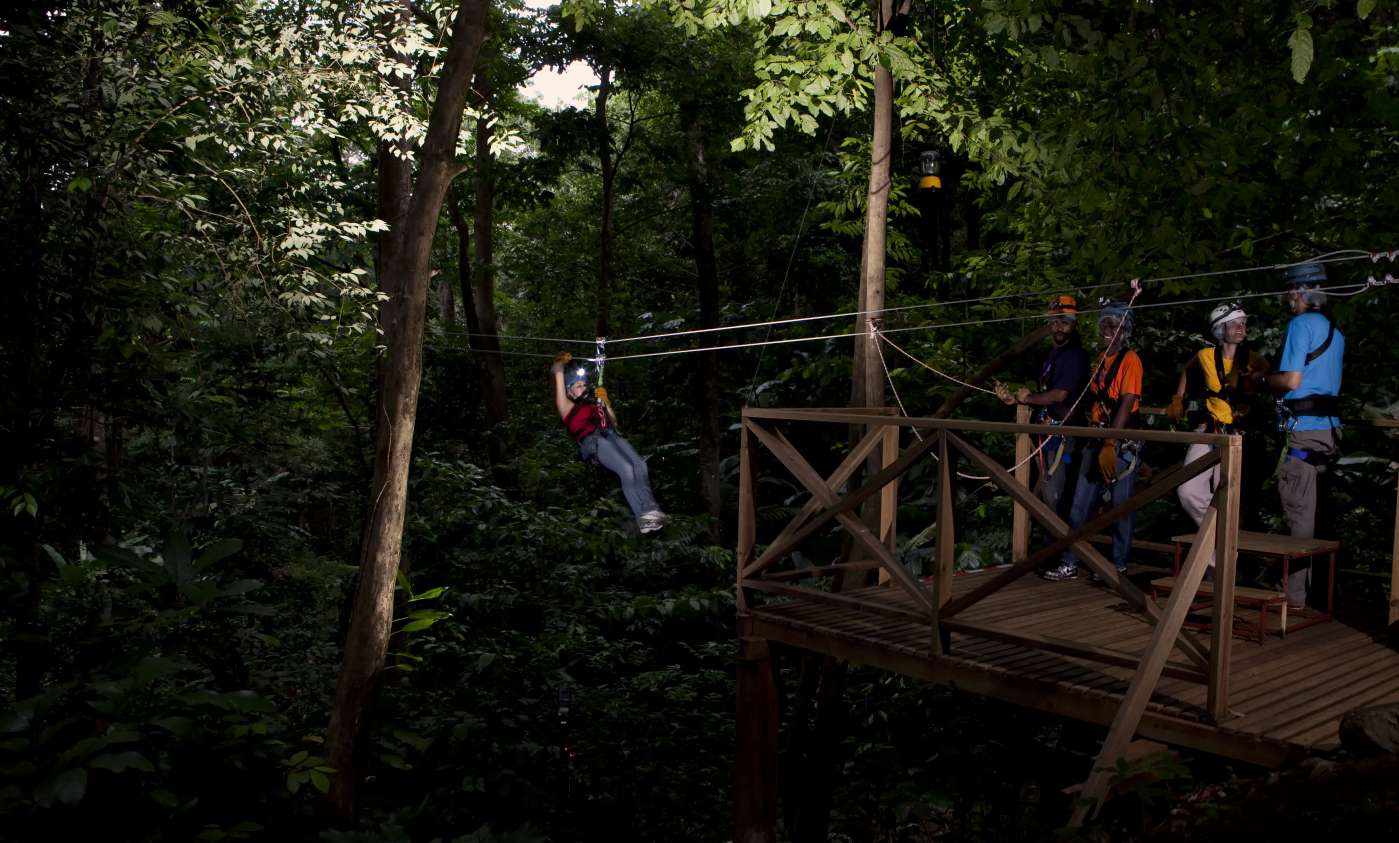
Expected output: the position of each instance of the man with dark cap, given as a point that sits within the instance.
(1063, 373)
(1309, 381)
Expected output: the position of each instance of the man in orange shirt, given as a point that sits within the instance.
(1115, 390)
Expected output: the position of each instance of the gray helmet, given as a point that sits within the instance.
(1121, 312)
(574, 374)
(1307, 278)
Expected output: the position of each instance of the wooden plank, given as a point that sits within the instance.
(1019, 516)
(1064, 647)
(820, 570)
(1274, 544)
(970, 426)
(816, 485)
(1076, 537)
(1124, 725)
(832, 599)
(1334, 703)
(1326, 725)
(1096, 560)
(852, 499)
(1226, 503)
(990, 682)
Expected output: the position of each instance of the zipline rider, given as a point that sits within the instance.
(1226, 372)
(594, 427)
(1115, 391)
(1309, 380)
(1063, 374)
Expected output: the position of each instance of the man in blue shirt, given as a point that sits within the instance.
(1063, 375)
(1309, 379)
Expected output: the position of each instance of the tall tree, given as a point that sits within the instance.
(404, 272)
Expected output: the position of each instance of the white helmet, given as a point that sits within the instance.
(1223, 315)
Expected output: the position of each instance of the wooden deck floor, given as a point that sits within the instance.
(1287, 695)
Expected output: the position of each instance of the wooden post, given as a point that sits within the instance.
(947, 538)
(747, 508)
(1143, 684)
(889, 497)
(755, 767)
(1394, 559)
(1226, 548)
(1020, 517)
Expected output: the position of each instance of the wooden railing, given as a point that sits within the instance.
(931, 601)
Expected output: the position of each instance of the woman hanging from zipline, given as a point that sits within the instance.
(594, 428)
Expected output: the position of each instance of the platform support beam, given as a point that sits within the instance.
(755, 768)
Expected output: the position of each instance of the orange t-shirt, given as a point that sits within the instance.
(1127, 381)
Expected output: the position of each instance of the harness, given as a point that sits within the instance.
(1102, 399)
(585, 419)
(1107, 407)
(1228, 388)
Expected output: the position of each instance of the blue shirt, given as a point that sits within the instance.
(1305, 333)
(1066, 368)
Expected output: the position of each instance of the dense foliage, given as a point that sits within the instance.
(188, 411)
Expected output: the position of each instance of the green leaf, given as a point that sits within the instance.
(69, 786)
(122, 761)
(1301, 44)
(1364, 8)
(320, 780)
(217, 552)
(430, 594)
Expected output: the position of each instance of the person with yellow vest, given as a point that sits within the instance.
(1226, 373)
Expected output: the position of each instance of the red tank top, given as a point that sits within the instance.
(584, 420)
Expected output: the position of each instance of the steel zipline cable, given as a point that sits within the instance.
(1340, 256)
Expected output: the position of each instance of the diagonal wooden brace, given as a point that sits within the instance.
(1099, 563)
(812, 480)
(1143, 684)
(838, 478)
(1163, 486)
(852, 499)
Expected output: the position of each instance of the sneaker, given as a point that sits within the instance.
(650, 522)
(1065, 571)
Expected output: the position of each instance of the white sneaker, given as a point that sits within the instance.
(650, 522)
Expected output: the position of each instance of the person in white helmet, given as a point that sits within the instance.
(1225, 373)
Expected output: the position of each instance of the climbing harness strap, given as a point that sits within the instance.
(1325, 344)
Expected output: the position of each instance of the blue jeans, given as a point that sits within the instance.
(1087, 495)
(617, 455)
(1055, 485)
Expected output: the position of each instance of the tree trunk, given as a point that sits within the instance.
(492, 365)
(468, 307)
(603, 132)
(404, 272)
(867, 392)
(707, 397)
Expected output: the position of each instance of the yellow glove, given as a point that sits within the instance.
(1176, 410)
(562, 358)
(601, 394)
(1107, 460)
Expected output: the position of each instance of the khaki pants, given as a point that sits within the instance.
(1197, 493)
(1297, 481)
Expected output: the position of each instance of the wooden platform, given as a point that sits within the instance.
(1287, 696)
